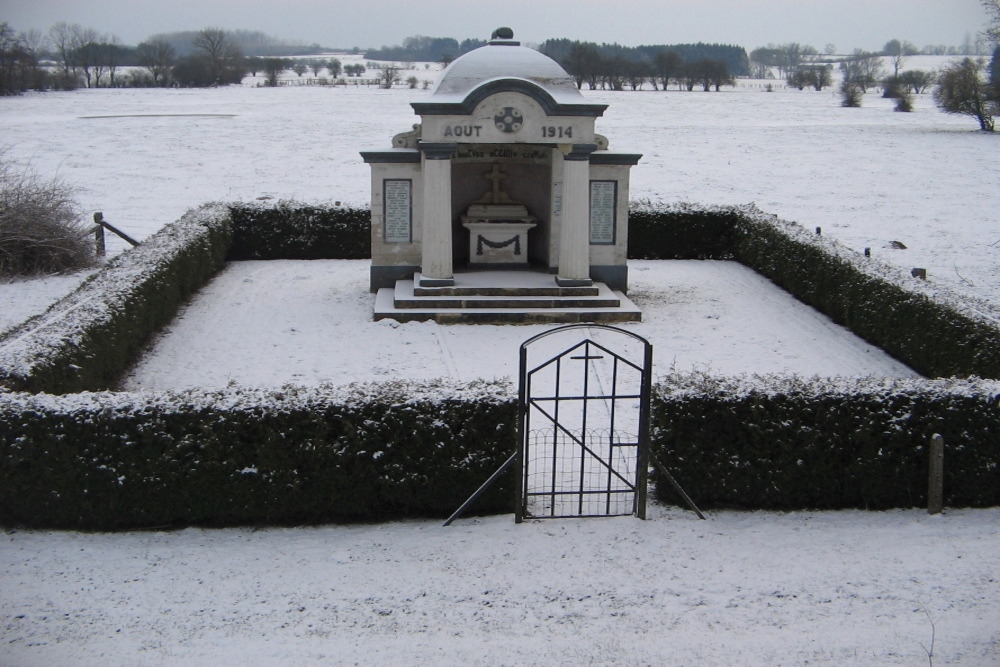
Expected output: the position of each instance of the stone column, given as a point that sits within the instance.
(436, 260)
(574, 235)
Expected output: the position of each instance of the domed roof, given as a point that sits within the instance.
(505, 59)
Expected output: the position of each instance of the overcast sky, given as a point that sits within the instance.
(848, 24)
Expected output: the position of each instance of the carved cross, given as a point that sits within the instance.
(496, 176)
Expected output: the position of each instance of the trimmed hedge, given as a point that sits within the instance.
(87, 339)
(934, 334)
(291, 230)
(283, 456)
(792, 443)
(681, 231)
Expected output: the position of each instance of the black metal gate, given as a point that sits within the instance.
(584, 423)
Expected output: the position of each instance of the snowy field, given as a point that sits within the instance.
(831, 588)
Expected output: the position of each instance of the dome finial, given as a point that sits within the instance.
(503, 33)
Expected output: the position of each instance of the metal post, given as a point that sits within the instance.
(677, 487)
(935, 478)
(481, 489)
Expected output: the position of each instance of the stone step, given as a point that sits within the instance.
(386, 307)
(503, 283)
(554, 290)
(406, 296)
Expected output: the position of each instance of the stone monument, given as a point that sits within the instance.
(504, 173)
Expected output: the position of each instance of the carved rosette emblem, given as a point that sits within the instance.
(508, 120)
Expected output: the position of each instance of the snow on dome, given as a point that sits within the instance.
(505, 59)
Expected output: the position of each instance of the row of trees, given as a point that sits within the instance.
(425, 49)
(787, 58)
(615, 67)
(84, 57)
(969, 87)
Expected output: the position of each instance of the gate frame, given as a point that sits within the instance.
(642, 437)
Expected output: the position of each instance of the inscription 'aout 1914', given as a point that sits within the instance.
(548, 131)
(462, 130)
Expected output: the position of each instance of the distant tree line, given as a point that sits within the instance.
(251, 43)
(425, 49)
(70, 56)
(616, 67)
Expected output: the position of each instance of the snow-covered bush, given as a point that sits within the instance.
(41, 230)
(796, 443)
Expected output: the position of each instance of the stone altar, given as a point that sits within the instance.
(498, 226)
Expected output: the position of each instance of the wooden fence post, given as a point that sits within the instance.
(99, 247)
(935, 478)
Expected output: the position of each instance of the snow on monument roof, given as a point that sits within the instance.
(505, 59)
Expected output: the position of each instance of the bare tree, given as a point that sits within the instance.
(388, 76)
(316, 66)
(19, 69)
(636, 74)
(762, 60)
(272, 68)
(111, 53)
(613, 73)
(862, 69)
(86, 55)
(64, 41)
(222, 55)
(894, 49)
(962, 89)
(36, 41)
(819, 77)
(916, 80)
(666, 66)
(582, 63)
(718, 74)
(335, 67)
(157, 56)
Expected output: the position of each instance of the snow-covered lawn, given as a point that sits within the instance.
(836, 588)
(274, 322)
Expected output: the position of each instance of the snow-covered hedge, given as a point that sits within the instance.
(293, 230)
(935, 332)
(87, 339)
(391, 450)
(242, 456)
(681, 231)
(793, 443)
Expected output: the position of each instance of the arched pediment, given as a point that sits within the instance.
(549, 104)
